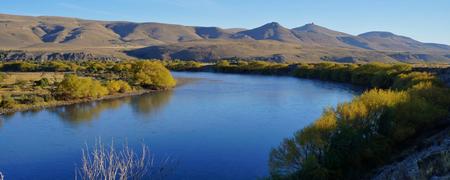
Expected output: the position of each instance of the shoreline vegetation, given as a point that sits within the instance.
(71, 102)
(107, 161)
(351, 141)
(346, 142)
(32, 85)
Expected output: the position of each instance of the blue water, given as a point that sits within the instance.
(216, 126)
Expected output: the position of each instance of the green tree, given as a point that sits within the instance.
(74, 87)
(118, 86)
(2, 77)
(152, 74)
(44, 82)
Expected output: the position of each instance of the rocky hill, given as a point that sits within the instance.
(272, 41)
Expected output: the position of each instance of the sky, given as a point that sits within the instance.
(423, 20)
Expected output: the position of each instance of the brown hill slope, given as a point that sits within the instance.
(270, 41)
(270, 31)
(317, 35)
(387, 41)
(270, 50)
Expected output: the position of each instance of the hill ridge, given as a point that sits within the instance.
(53, 32)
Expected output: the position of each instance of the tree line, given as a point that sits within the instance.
(82, 80)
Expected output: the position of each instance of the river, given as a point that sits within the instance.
(213, 126)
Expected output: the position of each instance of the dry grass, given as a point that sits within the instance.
(14, 77)
(108, 163)
(19, 83)
(14, 92)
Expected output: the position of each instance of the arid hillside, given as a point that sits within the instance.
(48, 38)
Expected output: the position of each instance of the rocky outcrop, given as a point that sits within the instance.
(432, 161)
(50, 56)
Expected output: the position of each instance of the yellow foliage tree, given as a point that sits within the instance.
(74, 87)
(118, 86)
(152, 74)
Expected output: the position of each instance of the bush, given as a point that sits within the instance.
(8, 102)
(2, 77)
(19, 67)
(74, 87)
(44, 82)
(349, 141)
(112, 163)
(30, 99)
(223, 63)
(59, 66)
(408, 80)
(183, 65)
(152, 74)
(118, 86)
(254, 67)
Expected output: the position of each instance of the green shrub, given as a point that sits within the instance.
(2, 77)
(8, 102)
(370, 128)
(118, 86)
(408, 80)
(19, 67)
(183, 65)
(44, 82)
(152, 74)
(58, 66)
(74, 87)
(31, 99)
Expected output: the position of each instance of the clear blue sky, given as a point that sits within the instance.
(424, 20)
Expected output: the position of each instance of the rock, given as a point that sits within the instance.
(50, 56)
(432, 162)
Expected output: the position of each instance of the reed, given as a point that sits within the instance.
(111, 163)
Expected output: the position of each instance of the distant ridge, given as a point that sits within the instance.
(391, 42)
(270, 31)
(272, 41)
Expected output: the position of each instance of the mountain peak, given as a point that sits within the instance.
(382, 40)
(314, 28)
(272, 25)
(382, 34)
(310, 27)
(308, 42)
(269, 31)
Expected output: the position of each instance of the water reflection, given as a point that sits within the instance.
(85, 112)
(147, 104)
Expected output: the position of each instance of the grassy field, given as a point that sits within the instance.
(21, 83)
(15, 77)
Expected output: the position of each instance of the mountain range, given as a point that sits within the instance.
(47, 38)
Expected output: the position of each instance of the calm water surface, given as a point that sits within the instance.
(217, 126)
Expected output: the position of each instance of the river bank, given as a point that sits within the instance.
(35, 85)
(70, 102)
(180, 82)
